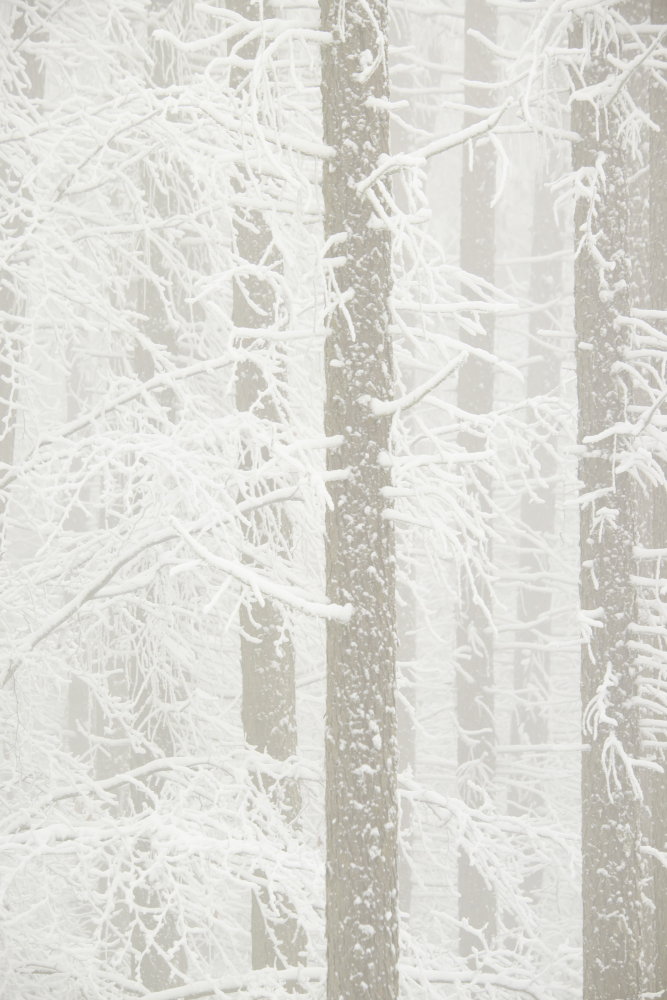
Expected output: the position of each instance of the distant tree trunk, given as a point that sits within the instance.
(29, 85)
(611, 870)
(400, 37)
(158, 953)
(475, 706)
(658, 296)
(267, 649)
(361, 745)
(531, 665)
(406, 623)
(137, 680)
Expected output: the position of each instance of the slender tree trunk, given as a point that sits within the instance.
(532, 666)
(29, 82)
(400, 37)
(361, 745)
(82, 717)
(406, 622)
(137, 679)
(158, 954)
(657, 798)
(475, 708)
(611, 869)
(267, 649)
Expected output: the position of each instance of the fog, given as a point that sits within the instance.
(333, 499)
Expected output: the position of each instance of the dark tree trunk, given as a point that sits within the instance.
(611, 874)
(361, 745)
(475, 708)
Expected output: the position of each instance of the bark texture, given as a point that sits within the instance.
(361, 744)
(658, 297)
(611, 874)
(475, 708)
(267, 650)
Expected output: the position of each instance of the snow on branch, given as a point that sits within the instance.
(303, 975)
(390, 164)
(385, 408)
(264, 587)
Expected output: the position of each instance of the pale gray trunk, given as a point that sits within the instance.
(137, 680)
(361, 744)
(400, 37)
(531, 665)
(611, 867)
(26, 31)
(406, 623)
(267, 649)
(82, 714)
(475, 706)
(657, 799)
(159, 958)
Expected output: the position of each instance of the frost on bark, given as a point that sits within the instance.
(475, 708)
(611, 866)
(361, 746)
(267, 649)
(657, 797)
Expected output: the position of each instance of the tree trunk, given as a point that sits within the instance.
(138, 677)
(267, 650)
(361, 744)
(531, 665)
(475, 707)
(406, 624)
(28, 81)
(158, 954)
(611, 866)
(658, 297)
(400, 38)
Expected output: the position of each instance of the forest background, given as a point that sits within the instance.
(332, 387)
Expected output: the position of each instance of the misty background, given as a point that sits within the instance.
(333, 416)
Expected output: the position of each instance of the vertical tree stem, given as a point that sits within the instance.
(658, 297)
(475, 706)
(361, 745)
(611, 867)
(267, 650)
